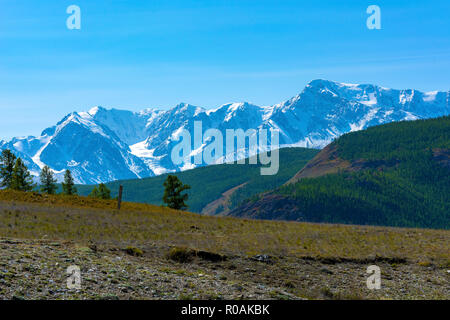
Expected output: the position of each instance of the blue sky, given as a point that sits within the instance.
(139, 54)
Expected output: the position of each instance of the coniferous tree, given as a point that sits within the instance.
(94, 193)
(173, 196)
(68, 186)
(101, 192)
(48, 181)
(7, 160)
(104, 192)
(21, 178)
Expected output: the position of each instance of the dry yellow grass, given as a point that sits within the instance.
(34, 216)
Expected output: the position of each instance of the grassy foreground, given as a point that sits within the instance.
(291, 248)
(67, 219)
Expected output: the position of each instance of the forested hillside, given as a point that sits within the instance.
(396, 174)
(208, 183)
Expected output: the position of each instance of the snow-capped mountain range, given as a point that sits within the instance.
(102, 145)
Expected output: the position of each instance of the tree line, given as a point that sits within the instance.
(14, 175)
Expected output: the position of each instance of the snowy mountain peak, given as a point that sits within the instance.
(93, 111)
(102, 144)
(186, 107)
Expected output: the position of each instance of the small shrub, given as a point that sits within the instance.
(425, 263)
(182, 255)
(132, 251)
(210, 256)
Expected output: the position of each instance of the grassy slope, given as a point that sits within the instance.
(208, 183)
(318, 261)
(392, 177)
(31, 216)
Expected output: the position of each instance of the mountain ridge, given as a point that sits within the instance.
(103, 145)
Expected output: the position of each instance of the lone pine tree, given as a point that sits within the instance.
(48, 181)
(68, 186)
(173, 188)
